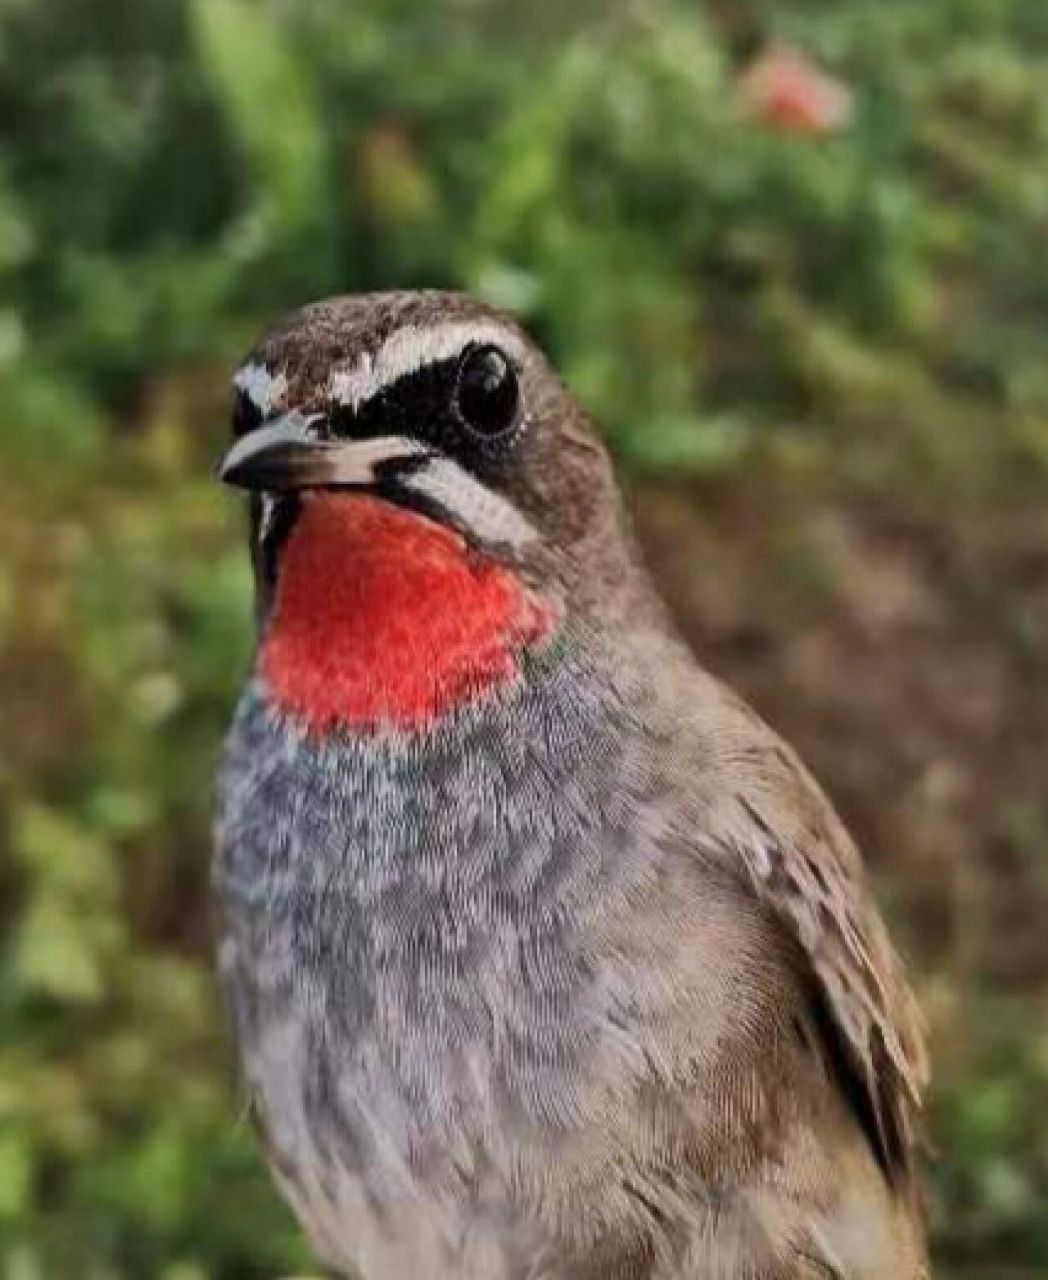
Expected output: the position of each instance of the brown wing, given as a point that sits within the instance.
(767, 813)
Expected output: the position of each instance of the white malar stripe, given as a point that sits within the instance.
(265, 390)
(411, 348)
(486, 514)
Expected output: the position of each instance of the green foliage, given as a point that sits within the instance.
(766, 319)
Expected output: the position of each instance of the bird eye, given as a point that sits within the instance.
(487, 398)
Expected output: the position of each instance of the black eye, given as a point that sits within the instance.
(487, 394)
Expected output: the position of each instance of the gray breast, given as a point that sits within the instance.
(421, 936)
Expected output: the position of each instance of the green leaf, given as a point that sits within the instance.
(269, 103)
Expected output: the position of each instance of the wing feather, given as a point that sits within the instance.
(773, 821)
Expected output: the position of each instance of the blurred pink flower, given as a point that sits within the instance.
(785, 90)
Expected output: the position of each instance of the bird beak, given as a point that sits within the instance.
(287, 456)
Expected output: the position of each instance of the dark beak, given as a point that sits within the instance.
(287, 456)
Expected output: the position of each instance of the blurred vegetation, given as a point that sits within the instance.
(821, 360)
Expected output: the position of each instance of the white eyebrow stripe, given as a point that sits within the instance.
(487, 514)
(409, 349)
(265, 390)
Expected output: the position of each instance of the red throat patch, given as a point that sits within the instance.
(385, 618)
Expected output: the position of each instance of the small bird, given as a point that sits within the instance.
(547, 959)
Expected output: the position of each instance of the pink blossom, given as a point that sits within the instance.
(785, 90)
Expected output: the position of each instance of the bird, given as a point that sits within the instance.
(546, 958)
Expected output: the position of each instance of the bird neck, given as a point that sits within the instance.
(383, 618)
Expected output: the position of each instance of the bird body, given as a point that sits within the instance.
(546, 958)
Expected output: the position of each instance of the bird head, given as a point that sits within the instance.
(428, 503)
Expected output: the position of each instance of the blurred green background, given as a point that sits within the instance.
(819, 351)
